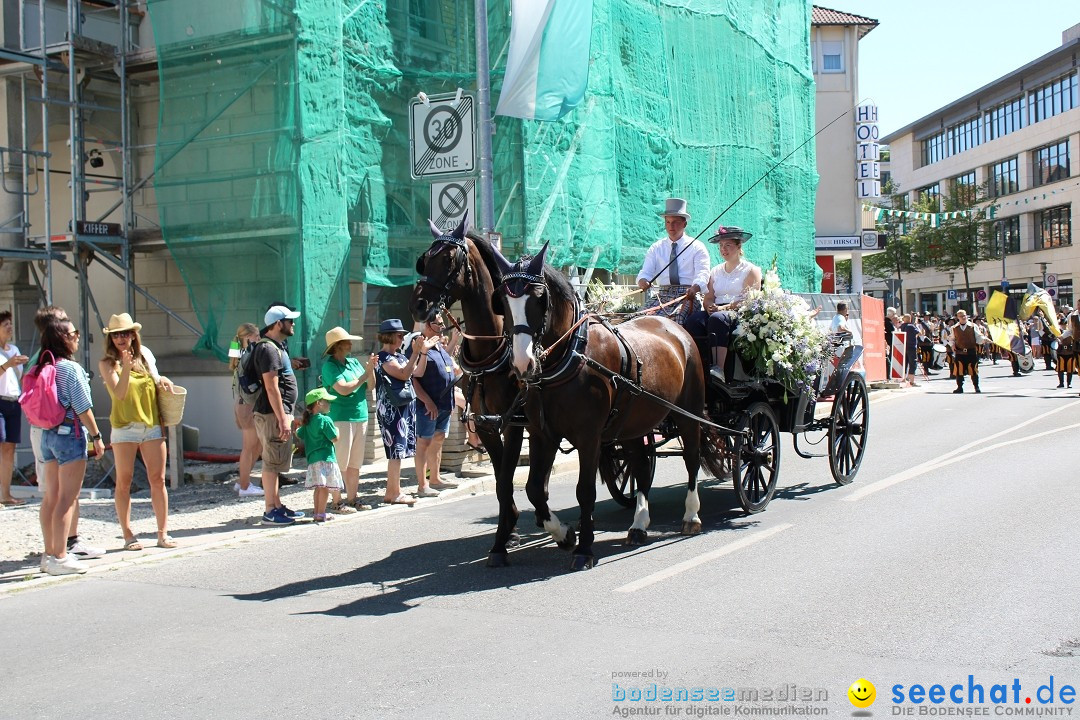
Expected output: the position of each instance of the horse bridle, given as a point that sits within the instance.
(459, 262)
(523, 280)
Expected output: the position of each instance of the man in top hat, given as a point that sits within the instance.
(676, 266)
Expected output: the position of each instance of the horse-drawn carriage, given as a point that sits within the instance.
(536, 359)
(753, 411)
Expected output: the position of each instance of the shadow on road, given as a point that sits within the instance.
(456, 566)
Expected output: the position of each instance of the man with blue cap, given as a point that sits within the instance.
(274, 408)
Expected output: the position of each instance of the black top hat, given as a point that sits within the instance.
(730, 233)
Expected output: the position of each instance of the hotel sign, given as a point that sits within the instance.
(867, 152)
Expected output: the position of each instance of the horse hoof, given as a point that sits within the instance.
(569, 542)
(513, 541)
(636, 536)
(496, 560)
(582, 562)
(691, 528)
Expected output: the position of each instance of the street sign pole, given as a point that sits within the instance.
(483, 119)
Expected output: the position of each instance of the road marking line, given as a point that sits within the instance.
(701, 559)
(957, 454)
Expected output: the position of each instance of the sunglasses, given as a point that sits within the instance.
(72, 334)
(123, 334)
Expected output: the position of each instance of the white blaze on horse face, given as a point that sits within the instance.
(556, 528)
(641, 513)
(523, 342)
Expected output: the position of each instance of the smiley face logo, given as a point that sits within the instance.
(862, 693)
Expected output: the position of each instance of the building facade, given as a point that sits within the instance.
(1017, 135)
(838, 216)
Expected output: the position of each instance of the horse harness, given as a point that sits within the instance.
(626, 382)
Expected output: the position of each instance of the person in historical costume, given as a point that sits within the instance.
(1068, 353)
(966, 349)
(676, 266)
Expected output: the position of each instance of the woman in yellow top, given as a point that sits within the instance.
(131, 377)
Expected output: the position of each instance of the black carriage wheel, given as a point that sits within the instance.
(848, 429)
(759, 459)
(617, 475)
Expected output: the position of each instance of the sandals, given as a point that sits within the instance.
(401, 499)
(133, 544)
(322, 517)
(13, 502)
(166, 542)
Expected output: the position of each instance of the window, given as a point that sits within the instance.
(832, 57)
(931, 193)
(963, 136)
(1054, 98)
(1050, 163)
(1004, 119)
(1006, 231)
(934, 148)
(1053, 228)
(1003, 178)
(1064, 293)
(962, 188)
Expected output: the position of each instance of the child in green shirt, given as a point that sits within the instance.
(318, 433)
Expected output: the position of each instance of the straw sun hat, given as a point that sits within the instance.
(336, 335)
(120, 323)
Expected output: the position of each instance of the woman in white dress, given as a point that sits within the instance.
(727, 285)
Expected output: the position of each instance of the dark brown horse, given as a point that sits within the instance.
(457, 269)
(584, 381)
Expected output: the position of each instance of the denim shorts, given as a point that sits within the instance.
(426, 427)
(63, 448)
(135, 433)
(10, 421)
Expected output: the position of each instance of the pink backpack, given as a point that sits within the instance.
(39, 400)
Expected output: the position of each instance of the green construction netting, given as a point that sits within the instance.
(283, 149)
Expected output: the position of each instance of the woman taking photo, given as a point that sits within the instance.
(63, 448)
(397, 422)
(245, 414)
(131, 377)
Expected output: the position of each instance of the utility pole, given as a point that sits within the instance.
(483, 119)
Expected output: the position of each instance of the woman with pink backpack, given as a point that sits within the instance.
(63, 446)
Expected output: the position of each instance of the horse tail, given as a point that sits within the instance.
(712, 451)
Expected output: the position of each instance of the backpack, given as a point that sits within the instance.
(39, 400)
(249, 384)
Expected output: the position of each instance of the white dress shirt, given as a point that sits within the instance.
(693, 262)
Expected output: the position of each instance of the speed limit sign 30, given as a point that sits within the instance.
(442, 136)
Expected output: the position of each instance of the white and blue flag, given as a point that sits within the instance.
(547, 68)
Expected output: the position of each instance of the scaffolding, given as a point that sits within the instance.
(71, 60)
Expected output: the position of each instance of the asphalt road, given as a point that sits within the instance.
(952, 555)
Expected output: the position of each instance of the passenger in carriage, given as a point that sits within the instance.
(724, 290)
(673, 278)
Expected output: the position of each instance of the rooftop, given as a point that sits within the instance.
(828, 16)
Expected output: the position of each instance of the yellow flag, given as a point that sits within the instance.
(1001, 322)
(1038, 299)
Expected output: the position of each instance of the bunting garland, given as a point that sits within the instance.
(881, 213)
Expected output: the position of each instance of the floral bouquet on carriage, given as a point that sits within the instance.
(777, 336)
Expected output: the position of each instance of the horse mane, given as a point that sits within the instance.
(559, 286)
(487, 254)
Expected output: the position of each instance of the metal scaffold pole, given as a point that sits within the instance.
(483, 119)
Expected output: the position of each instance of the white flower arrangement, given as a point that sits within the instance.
(777, 335)
(603, 298)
